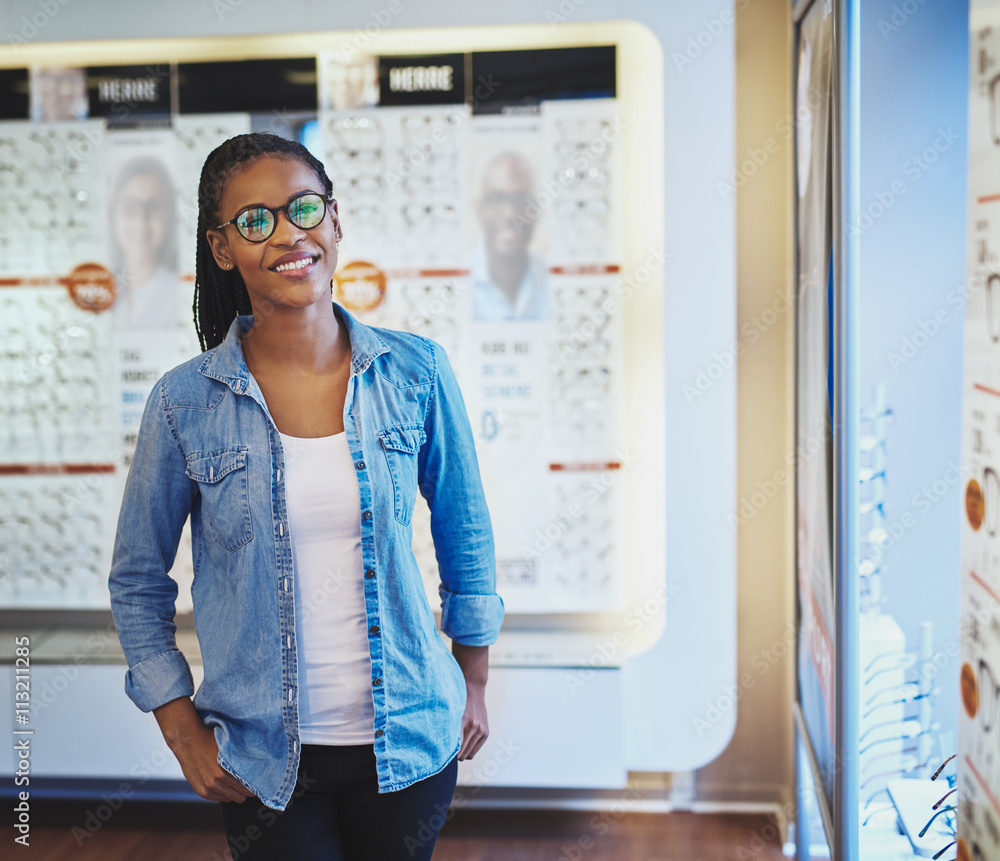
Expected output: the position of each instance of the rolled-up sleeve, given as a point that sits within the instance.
(471, 610)
(157, 500)
(158, 680)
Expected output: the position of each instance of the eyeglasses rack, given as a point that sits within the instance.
(875, 419)
(927, 813)
(896, 726)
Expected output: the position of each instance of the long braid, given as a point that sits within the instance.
(219, 294)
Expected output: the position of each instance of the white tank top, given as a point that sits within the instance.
(331, 629)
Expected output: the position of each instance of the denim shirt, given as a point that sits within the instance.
(208, 448)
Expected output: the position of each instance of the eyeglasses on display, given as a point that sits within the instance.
(989, 696)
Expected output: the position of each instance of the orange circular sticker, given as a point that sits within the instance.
(974, 504)
(360, 286)
(970, 690)
(92, 287)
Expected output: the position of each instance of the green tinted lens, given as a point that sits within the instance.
(255, 224)
(307, 211)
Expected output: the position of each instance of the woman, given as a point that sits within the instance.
(144, 244)
(296, 443)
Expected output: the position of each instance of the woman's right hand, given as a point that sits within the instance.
(196, 750)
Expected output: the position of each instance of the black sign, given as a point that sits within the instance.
(247, 86)
(14, 99)
(430, 79)
(518, 81)
(127, 95)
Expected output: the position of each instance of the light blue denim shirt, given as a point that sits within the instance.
(208, 448)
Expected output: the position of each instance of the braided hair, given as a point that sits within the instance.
(220, 294)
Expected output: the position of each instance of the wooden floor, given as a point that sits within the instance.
(152, 832)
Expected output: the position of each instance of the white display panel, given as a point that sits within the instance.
(434, 202)
(542, 381)
(52, 196)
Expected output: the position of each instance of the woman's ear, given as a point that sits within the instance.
(339, 232)
(220, 248)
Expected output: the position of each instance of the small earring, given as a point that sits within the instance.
(226, 265)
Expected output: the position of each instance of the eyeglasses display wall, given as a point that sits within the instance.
(979, 715)
(482, 206)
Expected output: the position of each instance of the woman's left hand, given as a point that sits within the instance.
(475, 725)
(474, 661)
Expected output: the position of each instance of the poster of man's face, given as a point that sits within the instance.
(509, 281)
(504, 208)
(58, 94)
(348, 84)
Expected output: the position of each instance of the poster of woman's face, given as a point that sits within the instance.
(142, 230)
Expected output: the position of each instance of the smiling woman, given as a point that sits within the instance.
(327, 729)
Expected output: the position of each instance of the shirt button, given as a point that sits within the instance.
(370, 573)
(373, 629)
(360, 464)
(377, 682)
(367, 515)
(379, 733)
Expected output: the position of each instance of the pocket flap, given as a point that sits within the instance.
(406, 439)
(213, 466)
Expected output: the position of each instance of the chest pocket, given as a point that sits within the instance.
(225, 494)
(401, 445)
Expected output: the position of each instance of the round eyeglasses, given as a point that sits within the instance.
(256, 223)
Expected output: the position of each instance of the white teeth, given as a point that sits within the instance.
(295, 264)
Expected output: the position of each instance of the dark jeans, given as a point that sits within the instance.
(337, 814)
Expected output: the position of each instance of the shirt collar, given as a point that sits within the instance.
(225, 363)
(525, 292)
